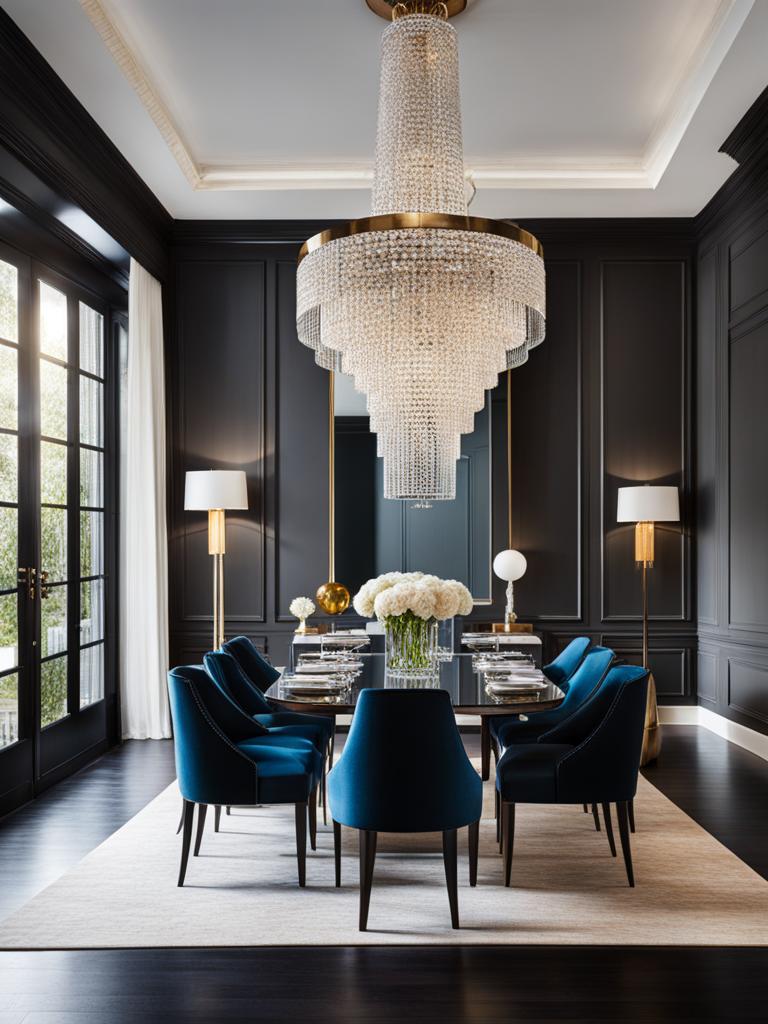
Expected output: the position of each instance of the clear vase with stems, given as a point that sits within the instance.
(411, 651)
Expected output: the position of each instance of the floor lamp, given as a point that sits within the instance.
(214, 491)
(644, 506)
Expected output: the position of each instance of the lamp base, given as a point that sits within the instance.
(652, 731)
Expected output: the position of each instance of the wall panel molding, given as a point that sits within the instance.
(644, 366)
(732, 498)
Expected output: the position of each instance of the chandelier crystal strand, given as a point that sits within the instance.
(423, 306)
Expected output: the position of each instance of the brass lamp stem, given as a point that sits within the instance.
(509, 458)
(331, 481)
(217, 547)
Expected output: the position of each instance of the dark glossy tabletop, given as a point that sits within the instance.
(468, 689)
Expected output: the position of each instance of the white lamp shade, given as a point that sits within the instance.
(215, 488)
(510, 565)
(648, 505)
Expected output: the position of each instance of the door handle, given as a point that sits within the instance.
(44, 588)
(26, 576)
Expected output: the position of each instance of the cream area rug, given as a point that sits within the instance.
(242, 889)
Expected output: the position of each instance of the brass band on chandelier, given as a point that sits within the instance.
(387, 8)
(439, 221)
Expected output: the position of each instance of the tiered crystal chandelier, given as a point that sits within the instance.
(421, 304)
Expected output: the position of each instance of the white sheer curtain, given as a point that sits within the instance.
(144, 549)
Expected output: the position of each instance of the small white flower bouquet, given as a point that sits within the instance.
(301, 608)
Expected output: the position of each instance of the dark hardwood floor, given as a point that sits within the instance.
(723, 787)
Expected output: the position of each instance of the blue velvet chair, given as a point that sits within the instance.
(583, 683)
(230, 676)
(404, 769)
(223, 757)
(565, 664)
(591, 757)
(251, 661)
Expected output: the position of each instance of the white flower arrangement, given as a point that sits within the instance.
(301, 608)
(423, 596)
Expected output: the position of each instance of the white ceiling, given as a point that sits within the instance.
(267, 108)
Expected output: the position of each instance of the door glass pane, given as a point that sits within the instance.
(91, 674)
(53, 400)
(91, 397)
(53, 473)
(91, 611)
(53, 622)
(9, 709)
(91, 340)
(9, 387)
(91, 543)
(8, 538)
(9, 632)
(9, 299)
(53, 543)
(9, 467)
(53, 322)
(53, 690)
(91, 478)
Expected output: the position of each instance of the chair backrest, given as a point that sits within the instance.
(209, 766)
(586, 679)
(404, 767)
(227, 674)
(565, 664)
(608, 738)
(256, 668)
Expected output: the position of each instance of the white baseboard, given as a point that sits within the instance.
(749, 739)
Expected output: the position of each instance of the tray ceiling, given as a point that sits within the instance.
(253, 108)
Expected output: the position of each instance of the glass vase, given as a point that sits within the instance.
(411, 651)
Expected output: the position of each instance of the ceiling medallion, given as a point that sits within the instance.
(423, 305)
(385, 8)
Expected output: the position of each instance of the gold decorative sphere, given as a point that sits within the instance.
(333, 598)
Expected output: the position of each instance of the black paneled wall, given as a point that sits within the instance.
(604, 401)
(732, 434)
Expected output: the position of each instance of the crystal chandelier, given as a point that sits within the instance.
(423, 305)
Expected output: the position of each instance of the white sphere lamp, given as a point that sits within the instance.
(510, 565)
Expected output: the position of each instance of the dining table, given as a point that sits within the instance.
(474, 690)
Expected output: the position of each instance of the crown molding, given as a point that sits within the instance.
(643, 171)
(750, 136)
(44, 126)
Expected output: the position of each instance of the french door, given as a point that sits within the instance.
(57, 496)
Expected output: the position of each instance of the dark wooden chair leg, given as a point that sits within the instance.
(631, 814)
(485, 749)
(301, 842)
(202, 810)
(216, 817)
(337, 851)
(596, 816)
(312, 810)
(497, 808)
(367, 861)
(324, 795)
(626, 849)
(508, 831)
(188, 813)
(181, 819)
(332, 747)
(586, 808)
(474, 849)
(609, 828)
(229, 809)
(451, 873)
